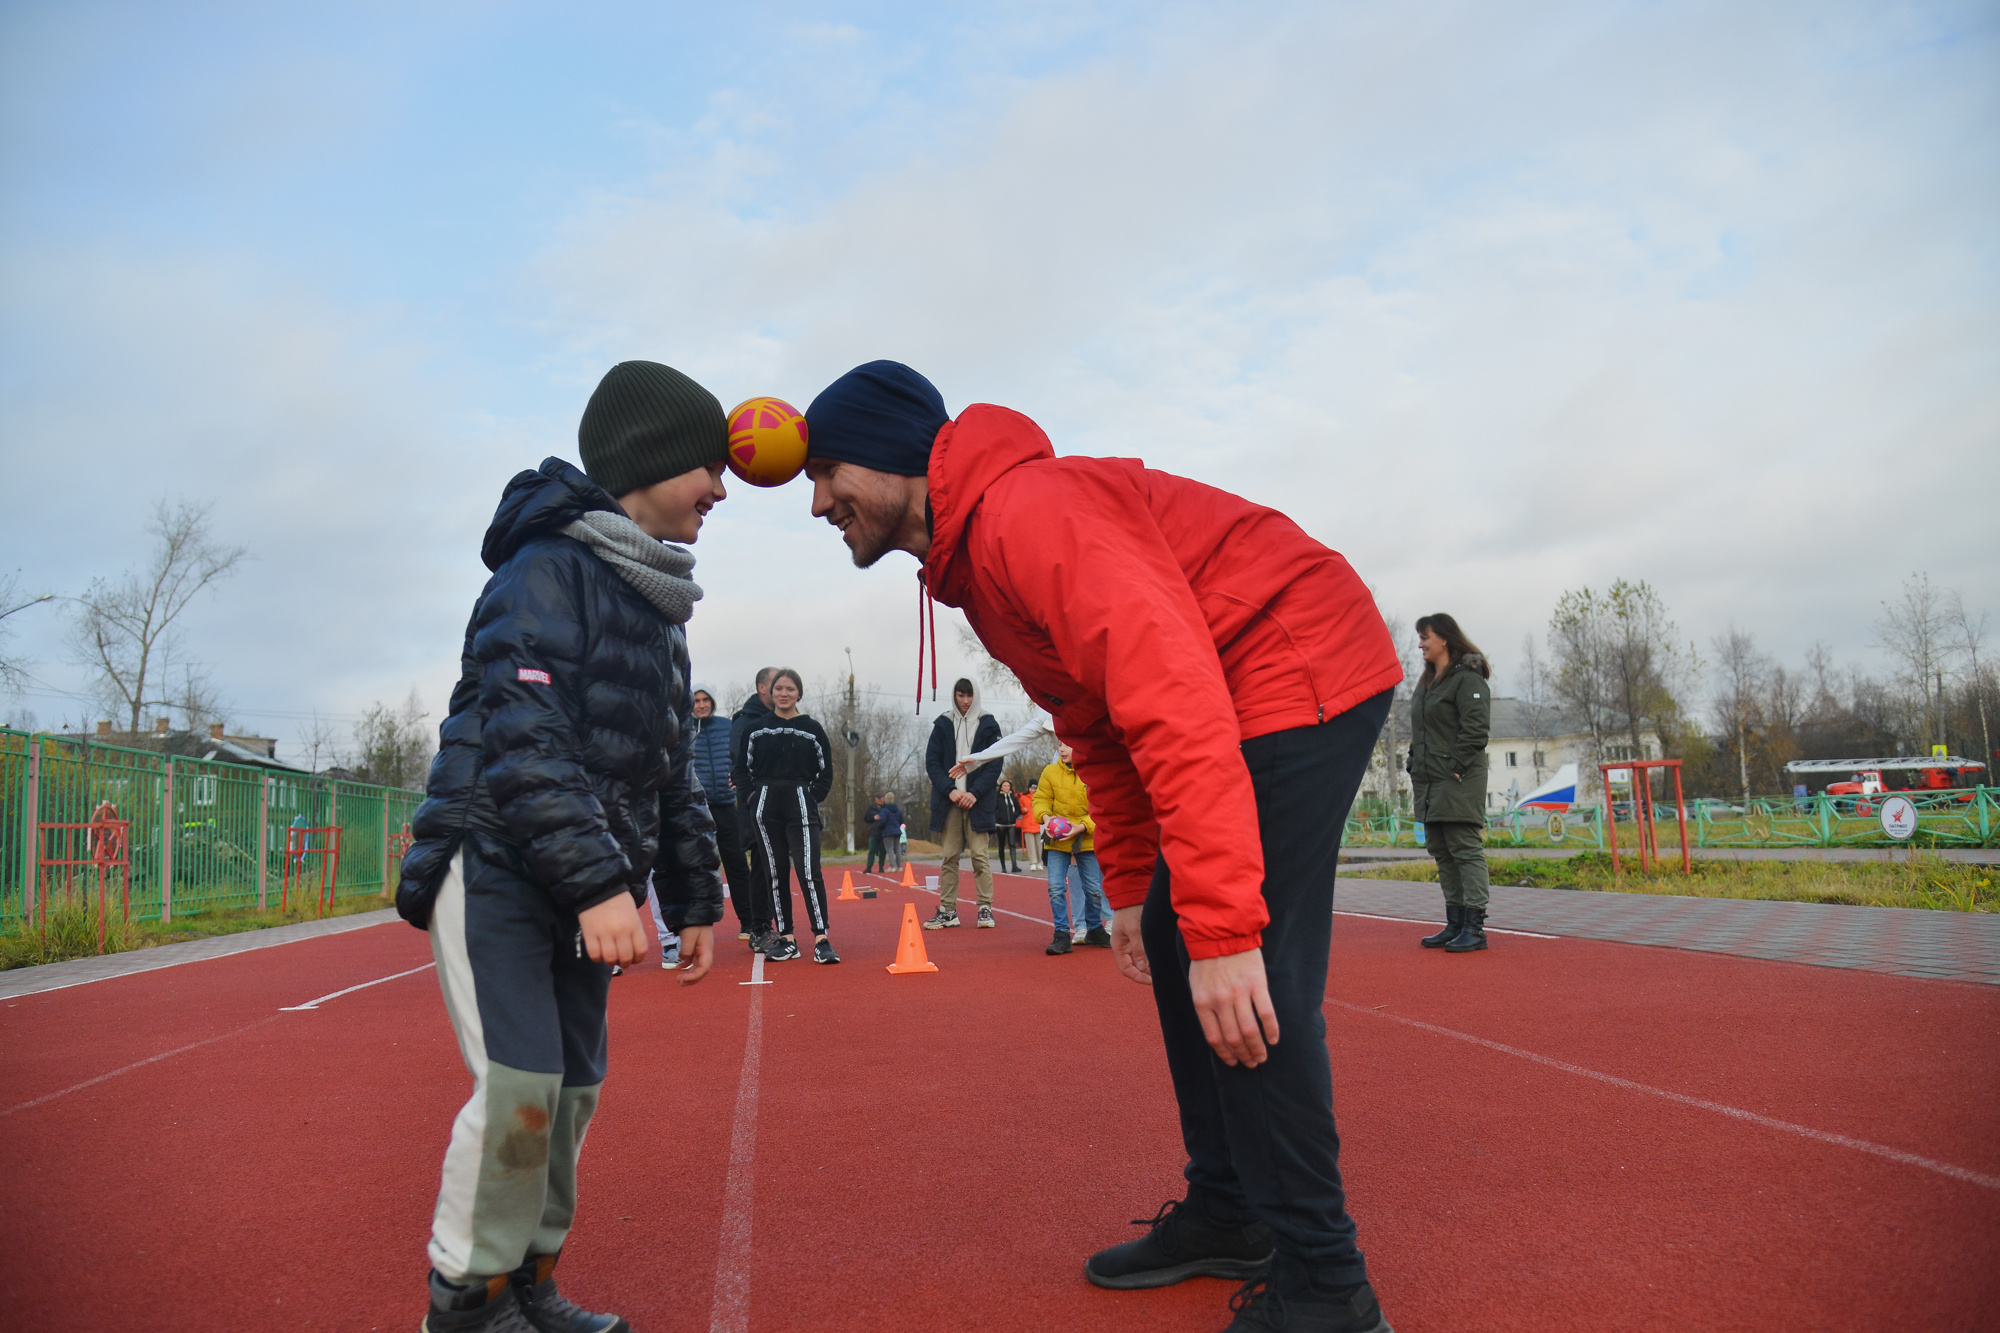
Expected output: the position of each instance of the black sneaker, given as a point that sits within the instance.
(944, 920)
(1182, 1242)
(760, 941)
(483, 1307)
(1097, 937)
(986, 921)
(781, 950)
(1284, 1299)
(823, 952)
(547, 1310)
(1060, 944)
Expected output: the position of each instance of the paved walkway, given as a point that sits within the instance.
(82, 971)
(1952, 946)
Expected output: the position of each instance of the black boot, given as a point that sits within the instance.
(1454, 921)
(1473, 936)
(1060, 944)
(1183, 1242)
(1288, 1299)
(481, 1306)
(550, 1312)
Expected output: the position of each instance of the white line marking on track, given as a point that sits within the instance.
(731, 1311)
(137, 1064)
(939, 893)
(1415, 921)
(314, 1004)
(1699, 1103)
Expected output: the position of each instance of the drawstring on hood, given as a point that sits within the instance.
(924, 600)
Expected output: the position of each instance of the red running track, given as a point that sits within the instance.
(941, 1151)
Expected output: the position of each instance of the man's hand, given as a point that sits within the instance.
(1233, 1002)
(965, 800)
(697, 953)
(1127, 949)
(956, 771)
(611, 931)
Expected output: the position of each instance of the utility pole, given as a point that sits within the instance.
(853, 739)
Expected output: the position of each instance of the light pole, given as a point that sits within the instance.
(853, 739)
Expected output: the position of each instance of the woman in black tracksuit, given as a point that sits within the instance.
(791, 769)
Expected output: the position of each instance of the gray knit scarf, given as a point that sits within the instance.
(659, 571)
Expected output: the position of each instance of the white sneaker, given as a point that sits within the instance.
(1076, 936)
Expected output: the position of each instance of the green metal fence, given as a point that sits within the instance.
(1968, 817)
(204, 836)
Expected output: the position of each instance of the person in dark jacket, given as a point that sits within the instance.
(713, 757)
(876, 854)
(791, 767)
(564, 778)
(891, 823)
(962, 807)
(1451, 711)
(754, 710)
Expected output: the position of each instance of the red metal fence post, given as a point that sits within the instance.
(1680, 807)
(1610, 813)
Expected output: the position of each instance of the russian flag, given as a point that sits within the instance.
(1558, 793)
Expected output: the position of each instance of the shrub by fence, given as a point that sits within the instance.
(204, 836)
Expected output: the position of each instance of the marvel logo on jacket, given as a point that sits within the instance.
(1162, 622)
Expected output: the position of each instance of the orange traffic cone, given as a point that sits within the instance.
(847, 893)
(910, 952)
(909, 876)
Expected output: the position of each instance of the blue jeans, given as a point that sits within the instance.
(1090, 888)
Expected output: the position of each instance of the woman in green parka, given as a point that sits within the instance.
(1451, 712)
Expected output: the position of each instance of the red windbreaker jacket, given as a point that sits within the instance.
(1161, 622)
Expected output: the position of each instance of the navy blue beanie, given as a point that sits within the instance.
(882, 415)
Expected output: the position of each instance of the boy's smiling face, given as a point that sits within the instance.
(672, 510)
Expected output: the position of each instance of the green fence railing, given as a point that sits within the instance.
(1967, 817)
(203, 836)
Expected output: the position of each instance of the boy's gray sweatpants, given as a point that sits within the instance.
(528, 1007)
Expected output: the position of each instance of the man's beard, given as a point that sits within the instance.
(872, 534)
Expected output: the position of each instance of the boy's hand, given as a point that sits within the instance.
(697, 953)
(1127, 949)
(611, 931)
(956, 771)
(1233, 1000)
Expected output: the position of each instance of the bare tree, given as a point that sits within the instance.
(14, 670)
(1535, 694)
(1972, 637)
(393, 747)
(1741, 673)
(320, 740)
(125, 631)
(1915, 631)
(1620, 663)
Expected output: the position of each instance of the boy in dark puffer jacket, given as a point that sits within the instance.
(563, 778)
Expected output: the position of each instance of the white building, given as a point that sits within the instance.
(1527, 744)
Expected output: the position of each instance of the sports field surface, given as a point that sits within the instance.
(1559, 1133)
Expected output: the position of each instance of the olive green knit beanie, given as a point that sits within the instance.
(648, 422)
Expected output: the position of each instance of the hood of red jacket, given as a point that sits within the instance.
(981, 446)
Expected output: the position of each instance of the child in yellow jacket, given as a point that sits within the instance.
(1062, 809)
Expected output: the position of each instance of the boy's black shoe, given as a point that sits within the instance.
(823, 952)
(1183, 1242)
(1060, 944)
(781, 950)
(481, 1307)
(1286, 1299)
(547, 1310)
(1097, 937)
(945, 919)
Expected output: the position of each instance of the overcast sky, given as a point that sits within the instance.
(1497, 300)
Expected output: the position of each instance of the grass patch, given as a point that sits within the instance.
(1932, 883)
(70, 930)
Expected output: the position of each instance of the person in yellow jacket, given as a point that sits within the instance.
(1062, 809)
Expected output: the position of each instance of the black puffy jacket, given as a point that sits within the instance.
(567, 757)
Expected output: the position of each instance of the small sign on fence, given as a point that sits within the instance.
(1899, 818)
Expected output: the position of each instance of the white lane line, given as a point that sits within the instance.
(939, 893)
(731, 1311)
(138, 1064)
(1734, 1112)
(1418, 921)
(314, 1004)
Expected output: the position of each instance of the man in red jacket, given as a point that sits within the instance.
(1222, 678)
